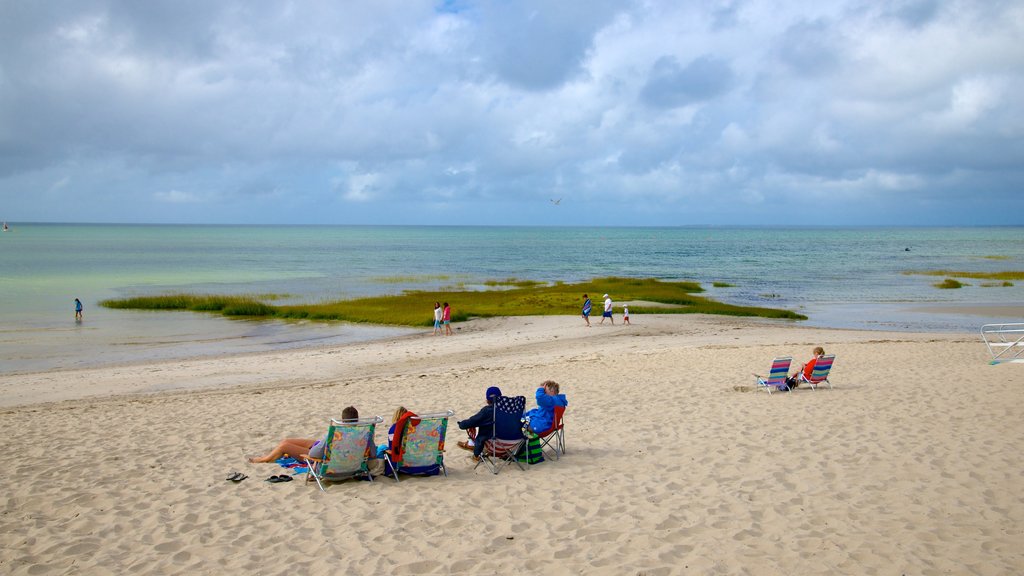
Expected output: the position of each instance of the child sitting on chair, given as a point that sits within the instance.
(807, 369)
(543, 416)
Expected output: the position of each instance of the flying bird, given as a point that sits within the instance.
(556, 202)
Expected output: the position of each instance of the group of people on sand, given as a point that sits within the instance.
(479, 428)
(442, 315)
(588, 305)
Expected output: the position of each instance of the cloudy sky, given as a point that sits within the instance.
(464, 112)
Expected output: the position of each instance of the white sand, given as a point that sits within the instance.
(912, 465)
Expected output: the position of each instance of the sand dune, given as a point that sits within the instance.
(911, 465)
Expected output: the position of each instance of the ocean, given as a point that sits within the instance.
(838, 277)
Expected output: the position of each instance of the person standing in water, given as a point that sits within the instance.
(78, 310)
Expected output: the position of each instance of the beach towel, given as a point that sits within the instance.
(292, 464)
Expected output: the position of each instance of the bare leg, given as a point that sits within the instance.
(290, 446)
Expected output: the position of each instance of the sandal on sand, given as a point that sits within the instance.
(281, 478)
(238, 478)
(234, 476)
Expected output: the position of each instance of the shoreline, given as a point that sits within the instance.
(237, 371)
(673, 463)
(237, 338)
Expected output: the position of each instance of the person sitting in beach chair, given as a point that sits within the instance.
(506, 440)
(539, 419)
(299, 448)
(806, 370)
(416, 444)
(480, 426)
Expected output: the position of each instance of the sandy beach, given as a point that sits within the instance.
(674, 463)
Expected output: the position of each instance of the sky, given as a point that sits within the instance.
(568, 113)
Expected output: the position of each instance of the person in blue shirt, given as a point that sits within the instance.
(78, 309)
(586, 308)
(543, 415)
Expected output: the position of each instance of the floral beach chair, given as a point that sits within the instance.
(348, 448)
(418, 445)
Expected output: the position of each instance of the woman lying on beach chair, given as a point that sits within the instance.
(299, 448)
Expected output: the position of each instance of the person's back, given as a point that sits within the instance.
(480, 426)
(548, 396)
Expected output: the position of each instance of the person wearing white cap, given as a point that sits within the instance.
(607, 310)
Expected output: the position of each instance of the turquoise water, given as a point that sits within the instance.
(844, 277)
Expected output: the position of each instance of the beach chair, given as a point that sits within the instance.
(822, 365)
(418, 445)
(508, 439)
(777, 376)
(1005, 342)
(554, 435)
(348, 447)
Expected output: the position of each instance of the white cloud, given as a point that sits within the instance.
(177, 197)
(393, 106)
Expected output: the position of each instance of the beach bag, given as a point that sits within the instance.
(533, 453)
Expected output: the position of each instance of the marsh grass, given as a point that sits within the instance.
(414, 307)
(1006, 275)
(1004, 284)
(949, 284)
(723, 285)
(996, 257)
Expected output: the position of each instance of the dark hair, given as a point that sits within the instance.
(585, 296)
(350, 413)
(445, 303)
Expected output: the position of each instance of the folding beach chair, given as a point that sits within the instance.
(1005, 342)
(507, 440)
(822, 365)
(349, 445)
(418, 445)
(555, 434)
(777, 376)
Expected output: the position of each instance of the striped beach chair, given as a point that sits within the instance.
(822, 366)
(777, 376)
(419, 445)
(348, 448)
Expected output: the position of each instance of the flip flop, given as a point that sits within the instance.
(234, 476)
(238, 478)
(281, 478)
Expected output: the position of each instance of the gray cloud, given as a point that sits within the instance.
(479, 112)
(671, 85)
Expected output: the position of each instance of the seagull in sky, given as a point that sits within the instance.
(556, 202)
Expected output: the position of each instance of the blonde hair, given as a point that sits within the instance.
(551, 384)
(819, 351)
(398, 413)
